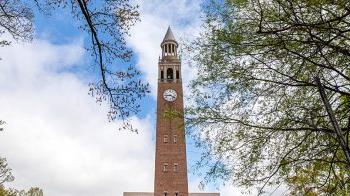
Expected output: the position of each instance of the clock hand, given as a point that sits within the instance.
(167, 96)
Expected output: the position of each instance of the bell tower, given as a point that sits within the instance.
(170, 164)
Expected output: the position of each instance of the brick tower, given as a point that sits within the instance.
(170, 164)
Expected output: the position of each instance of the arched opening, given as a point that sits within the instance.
(169, 74)
(177, 74)
(169, 49)
(161, 75)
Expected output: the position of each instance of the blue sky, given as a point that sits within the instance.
(56, 136)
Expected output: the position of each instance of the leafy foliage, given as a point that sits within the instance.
(107, 23)
(16, 19)
(6, 176)
(257, 108)
(5, 172)
(34, 191)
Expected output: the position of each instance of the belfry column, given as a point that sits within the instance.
(170, 164)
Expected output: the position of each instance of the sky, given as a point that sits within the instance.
(57, 137)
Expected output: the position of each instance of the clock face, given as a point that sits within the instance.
(169, 95)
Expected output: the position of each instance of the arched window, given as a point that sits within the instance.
(169, 74)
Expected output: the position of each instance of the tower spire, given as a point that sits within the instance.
(169, 36)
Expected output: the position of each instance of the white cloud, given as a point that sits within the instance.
(56, 136)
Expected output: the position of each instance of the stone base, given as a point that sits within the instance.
(151, 194)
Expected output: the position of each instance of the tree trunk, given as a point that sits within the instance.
(334, 122)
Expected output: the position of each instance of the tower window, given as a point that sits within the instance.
(177, 74)
(176, 193)
(169, 74)
(162, 74)
(175, 167)
(165, 193)
(175, 138)
(165, 167)
(165, 139)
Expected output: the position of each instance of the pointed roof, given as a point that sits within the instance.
(169, 36)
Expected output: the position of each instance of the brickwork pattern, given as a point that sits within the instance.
(170, 163)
